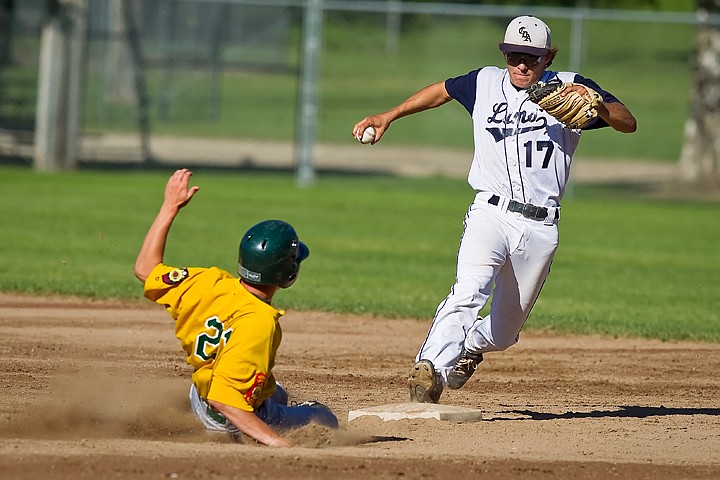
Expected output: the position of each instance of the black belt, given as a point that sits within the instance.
(526, 209)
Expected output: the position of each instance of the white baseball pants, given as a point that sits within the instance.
(501, 253)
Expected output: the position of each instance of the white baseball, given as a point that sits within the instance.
(367, 136)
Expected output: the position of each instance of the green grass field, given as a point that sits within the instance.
(380, 245)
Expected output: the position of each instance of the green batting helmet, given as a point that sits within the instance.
(270, 254)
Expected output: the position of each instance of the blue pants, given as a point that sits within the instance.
(276, 412)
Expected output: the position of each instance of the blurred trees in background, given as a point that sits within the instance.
(700, 157)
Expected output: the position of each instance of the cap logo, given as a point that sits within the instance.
(525, 34)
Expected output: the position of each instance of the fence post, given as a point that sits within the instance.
(49, 127)
(576, 41)
(60, 90)
(393, 26)
(307, 111)
(75, 81)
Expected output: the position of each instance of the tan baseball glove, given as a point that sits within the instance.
(574, 110)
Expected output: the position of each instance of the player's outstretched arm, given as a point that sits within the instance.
(429, 97)
(618, 117)
(177, 195)
(250, 424)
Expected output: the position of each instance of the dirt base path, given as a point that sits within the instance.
(99, 390)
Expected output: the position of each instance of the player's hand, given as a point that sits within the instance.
(280, 442)
(579, 88)
(177, 193)
(375, 121)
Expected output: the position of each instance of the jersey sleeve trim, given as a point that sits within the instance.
(464, 89)
(606, 96)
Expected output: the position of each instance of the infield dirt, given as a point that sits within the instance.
(95, 389)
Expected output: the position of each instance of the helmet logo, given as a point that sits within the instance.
(249, 275)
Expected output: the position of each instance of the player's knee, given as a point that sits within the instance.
(316, 412)
(279, 396)
(324, 416)
(505, 340)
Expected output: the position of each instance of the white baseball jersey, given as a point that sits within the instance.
(521, 152)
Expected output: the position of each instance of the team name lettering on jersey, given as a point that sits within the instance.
(519, 118)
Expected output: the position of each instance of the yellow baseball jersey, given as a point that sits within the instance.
(229, 335)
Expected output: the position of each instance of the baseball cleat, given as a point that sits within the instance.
(463, 369)
(424, 383)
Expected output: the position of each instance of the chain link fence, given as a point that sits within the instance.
(220, 82)
(19, 31)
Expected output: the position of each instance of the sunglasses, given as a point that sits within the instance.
(516, 58)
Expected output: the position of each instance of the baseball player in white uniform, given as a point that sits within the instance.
(520, 167)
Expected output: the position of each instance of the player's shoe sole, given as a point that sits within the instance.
(424, 383)
(464, 367)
